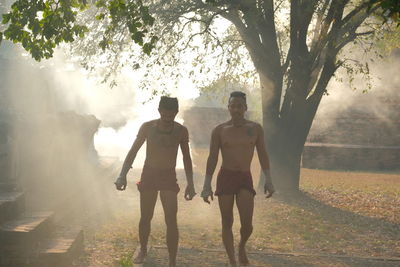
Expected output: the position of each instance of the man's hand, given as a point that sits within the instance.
(268, 186)
(189, 192)
(207, 190)
(206, 193)
(268, 189)
(120, 183)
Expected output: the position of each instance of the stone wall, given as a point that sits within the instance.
(358, 127)
(356, 139)
(350, 157)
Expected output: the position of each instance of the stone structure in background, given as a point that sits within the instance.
(28, 237)
(47, 159)
(55, 154)
(6, 142)
(355, 139)
(366, 134)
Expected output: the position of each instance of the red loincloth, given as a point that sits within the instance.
(158, 180)
(230, 182)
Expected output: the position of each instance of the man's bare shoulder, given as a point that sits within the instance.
(182, 132)
(181, 128)
(179, 125)
(221, 126)
(148, 124)
(253, 124)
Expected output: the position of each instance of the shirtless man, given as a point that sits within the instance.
(236, 139)
(163, 137)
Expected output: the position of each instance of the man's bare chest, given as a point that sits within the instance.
(163, 140)
(238, 137)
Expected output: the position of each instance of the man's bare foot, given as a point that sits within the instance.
(140, 257)
(172, 263)
(243, 260)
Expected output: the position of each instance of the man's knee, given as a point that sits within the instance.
(171, 222)
(246, 229)
(227, 223)
(146, 218)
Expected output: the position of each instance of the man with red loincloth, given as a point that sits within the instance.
(163, 137)
(236, 139)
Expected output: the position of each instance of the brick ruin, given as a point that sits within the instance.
(46, 159)
(356, 139)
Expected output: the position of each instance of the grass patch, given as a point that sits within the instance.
(126, 261)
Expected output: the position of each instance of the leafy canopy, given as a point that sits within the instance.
(42, 25)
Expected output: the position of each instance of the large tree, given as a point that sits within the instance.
(295, 47)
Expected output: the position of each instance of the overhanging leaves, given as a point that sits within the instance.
(42, 25)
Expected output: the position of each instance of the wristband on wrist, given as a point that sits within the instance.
(123, 177)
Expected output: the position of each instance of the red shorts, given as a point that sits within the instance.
(230, 182)
(153, 179)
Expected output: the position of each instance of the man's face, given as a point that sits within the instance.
(167, 115)
(237, 107)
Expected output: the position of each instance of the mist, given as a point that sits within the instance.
(59, 85)
(378, 101)
(69, 133)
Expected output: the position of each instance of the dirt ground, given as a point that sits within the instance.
(338, 219)
(209, 258)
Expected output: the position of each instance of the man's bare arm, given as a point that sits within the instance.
(261, 150)
(187, 164)
(212, 161)
(264, 161)
(121, 180)
(130, 157)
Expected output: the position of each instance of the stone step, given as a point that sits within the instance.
(11, 204)
(23, 234)
(64, 249)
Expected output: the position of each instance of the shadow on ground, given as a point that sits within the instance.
(206, 258)
(339, 216)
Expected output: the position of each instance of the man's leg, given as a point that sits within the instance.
(170, 204)
(245, 204)
(147, 202)
(226, 209)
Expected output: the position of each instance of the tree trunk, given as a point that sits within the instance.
(285, 162)
(285, 135)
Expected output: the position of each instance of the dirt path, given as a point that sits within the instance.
(206, 258)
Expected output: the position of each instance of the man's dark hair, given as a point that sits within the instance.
(238, 94)
(170, 103)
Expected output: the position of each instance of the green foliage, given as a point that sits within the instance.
(42, 25)
(391, 9)
(134, 15)
(126, 261)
